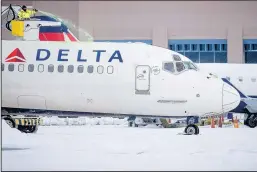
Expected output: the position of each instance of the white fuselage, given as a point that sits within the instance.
(242, 76)
(125, 78)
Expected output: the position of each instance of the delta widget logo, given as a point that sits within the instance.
(15, 56)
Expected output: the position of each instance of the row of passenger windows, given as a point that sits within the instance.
(240, 79)
(60, 68)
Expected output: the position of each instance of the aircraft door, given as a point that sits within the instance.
(142, 79)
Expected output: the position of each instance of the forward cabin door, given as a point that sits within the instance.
(142, 79)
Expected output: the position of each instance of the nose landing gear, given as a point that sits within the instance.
(191, 129)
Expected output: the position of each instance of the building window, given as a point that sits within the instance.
(202, 47)
(194, 47)
(254, 46)
(253, 79)
(90, 69)
(2, 67)
(60, 68)
(21, 67)
(223, 47)
(11, 67)
(206, 57)
(250, 50)
(70, 68)
(201, 51)
(172, 47)
(80, 69)
(216, 47)
(179, 47)
(30, 67)
(187, 47)
(40, 68)
(209, 47)
(110, 69)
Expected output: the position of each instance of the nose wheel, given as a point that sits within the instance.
(192, 129)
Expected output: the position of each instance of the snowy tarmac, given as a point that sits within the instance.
(122, 148)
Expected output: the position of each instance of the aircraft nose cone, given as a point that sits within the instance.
(231, 98)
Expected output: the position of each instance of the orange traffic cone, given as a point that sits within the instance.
(236, 125)
(212, 123)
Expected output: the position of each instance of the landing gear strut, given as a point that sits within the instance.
(251, 120)
(192, 129)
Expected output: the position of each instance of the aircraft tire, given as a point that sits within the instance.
(192, 129)
(250, 121)
(130, 123)
(134, 124)
(10, 122)
(28, 129)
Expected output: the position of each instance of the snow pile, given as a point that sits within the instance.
(47, 121)
(109, 148)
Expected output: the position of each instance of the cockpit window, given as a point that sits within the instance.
(190, 66)
(176, 57)
(180, 66)
(169, 67)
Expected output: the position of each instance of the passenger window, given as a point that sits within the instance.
(51, 68)
(253, 79)
(11, 67)
(40, 68)
(240, 79)
(100, 69)
(21, 67)
(2, 67)
(31, 68)
(60, 68)
(180, 66)
(110, 69)
(80, 69)
(228, 78)
(90, 69)
(169, 67)
(176, 57)
(70, 68)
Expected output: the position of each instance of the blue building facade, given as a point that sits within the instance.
(205, 50)
(201, 51)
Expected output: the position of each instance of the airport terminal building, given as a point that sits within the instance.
(204, 31)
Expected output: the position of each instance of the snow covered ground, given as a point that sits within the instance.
(117, 147)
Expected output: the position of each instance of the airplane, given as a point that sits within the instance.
(41, 77)
(243, 77)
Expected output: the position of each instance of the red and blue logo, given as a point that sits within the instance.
(15, 56)
(62, 55)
